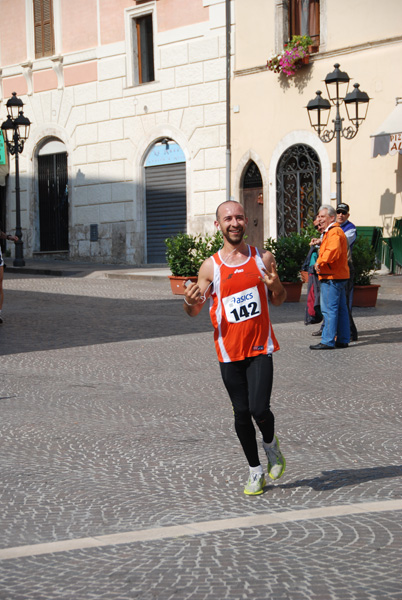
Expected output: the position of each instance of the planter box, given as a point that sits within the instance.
(365, 295)
(293, 290)
(177, 283)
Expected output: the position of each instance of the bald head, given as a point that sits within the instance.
(228, 202)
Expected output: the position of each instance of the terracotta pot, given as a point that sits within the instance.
(293, 290)
(365, 295)
(304, 276)
(177, 284)
(305, 60)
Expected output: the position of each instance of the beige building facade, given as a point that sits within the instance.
(279, 163)
(127, 100)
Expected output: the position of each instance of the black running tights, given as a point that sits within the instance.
(249, 385)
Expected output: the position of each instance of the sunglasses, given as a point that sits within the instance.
(341, 212)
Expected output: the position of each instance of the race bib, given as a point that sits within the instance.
(242, 306)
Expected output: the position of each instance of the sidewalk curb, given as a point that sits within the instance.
(89, 271)
(38, 271)
(140, 276)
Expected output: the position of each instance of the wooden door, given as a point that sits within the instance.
(254, 208)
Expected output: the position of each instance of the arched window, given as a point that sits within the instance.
(298, 188)
(252, 177)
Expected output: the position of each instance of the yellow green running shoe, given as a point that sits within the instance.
(276, 460)
(255, 484)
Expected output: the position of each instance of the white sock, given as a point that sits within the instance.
(256, 470)
(270, 444)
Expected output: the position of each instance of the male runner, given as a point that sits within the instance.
(239, 279)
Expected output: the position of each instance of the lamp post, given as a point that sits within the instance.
(16, 132)
(319, 109)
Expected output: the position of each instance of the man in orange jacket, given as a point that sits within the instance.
(333, 272)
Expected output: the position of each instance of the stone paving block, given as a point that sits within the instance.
(114, 419)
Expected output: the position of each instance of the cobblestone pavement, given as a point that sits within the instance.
(114, 420)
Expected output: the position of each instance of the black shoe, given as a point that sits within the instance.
(341, 345)
(321, 347)
(317, 333)
(353, 338)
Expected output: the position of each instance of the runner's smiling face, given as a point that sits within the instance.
(232, 221)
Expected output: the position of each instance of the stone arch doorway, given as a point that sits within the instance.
(298, 188)
(165, 197)
(53, 197)
(252, 200)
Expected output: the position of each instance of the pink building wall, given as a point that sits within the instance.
(82, 73)
(176, 13)
(12, 32)
(44, 80)
(112, 20)
(80, 27)
(171, 14)
(14, 84)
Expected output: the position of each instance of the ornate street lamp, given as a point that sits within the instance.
(356, 104)
(16, 132)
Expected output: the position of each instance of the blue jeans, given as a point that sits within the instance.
(335, 311)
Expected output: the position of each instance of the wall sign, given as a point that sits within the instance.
(3, 149)
(165, 154)
(395, 143)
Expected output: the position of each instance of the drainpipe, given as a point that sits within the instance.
(228, 157)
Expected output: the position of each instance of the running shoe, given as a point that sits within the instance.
(255, 484)
(276, 460)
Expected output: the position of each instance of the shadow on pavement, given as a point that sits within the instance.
(332, 480)
(40, 321)
(390, 335)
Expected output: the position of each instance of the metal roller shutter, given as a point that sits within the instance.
(165, 207)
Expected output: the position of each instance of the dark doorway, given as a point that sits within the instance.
(252, 198)
(53, 202)
(298, 188)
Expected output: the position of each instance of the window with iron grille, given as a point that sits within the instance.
(43, 24)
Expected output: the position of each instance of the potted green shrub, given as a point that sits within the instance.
(185, 253)
(364, 263)
(290, 252)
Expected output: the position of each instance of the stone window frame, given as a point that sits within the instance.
(30, 31)
(130, 17)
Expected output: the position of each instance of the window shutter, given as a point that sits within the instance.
(43, 23)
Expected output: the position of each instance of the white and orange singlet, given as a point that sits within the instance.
(239, 309)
